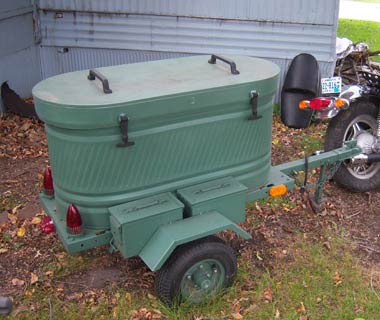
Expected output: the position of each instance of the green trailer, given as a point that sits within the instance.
(153, 159)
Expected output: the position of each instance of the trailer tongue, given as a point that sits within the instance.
(155, 158)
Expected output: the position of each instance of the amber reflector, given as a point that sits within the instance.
(277, 191)
(304, 104)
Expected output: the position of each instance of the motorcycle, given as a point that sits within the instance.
(354, 111)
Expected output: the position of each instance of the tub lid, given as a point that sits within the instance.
(146, 80)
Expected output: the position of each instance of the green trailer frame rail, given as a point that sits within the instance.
(168, 236)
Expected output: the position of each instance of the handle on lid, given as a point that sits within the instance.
(232, 64)
(96, 74)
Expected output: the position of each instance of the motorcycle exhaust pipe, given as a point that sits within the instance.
(367, 158)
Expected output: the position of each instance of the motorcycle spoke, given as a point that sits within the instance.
(356, 127)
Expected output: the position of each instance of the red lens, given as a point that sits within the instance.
(73, 220)
(320, 103)
(48, 182)
(47, 225)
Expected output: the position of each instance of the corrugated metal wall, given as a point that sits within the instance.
(19, 57)
(80, 34)
(294, 11)
(90, 33)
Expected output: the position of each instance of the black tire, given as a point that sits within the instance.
(5, 305)
(196, 271)
(358, 178)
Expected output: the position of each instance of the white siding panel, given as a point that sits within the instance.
(187, 35)
(57, 61)
(291, 11)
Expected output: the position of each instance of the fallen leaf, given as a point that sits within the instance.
(36, 220)
(21, 232)
(3, 250)
(28, 293)
(12, 218)
(337, 278)
(128, 297)
(49, 273)
(18, 282)
(151, 296)
(237, 315)
(33, 278)
(268, 295)
(75, 296)
(301, 308)
(277, 314)
(258, 208)
(14, 210)
(258, 256)
(26, 126)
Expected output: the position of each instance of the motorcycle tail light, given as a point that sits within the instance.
(341, 103)
(304, 104)
(320, 103)
(48, 182)
(73, 220)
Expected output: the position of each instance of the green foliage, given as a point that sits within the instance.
(313, 281)
(360, 31)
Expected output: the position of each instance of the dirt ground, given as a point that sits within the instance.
(25, 252)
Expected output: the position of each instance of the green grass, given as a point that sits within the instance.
(312, 282)
(372, 1)
(360, 31)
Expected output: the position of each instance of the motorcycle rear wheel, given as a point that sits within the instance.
(361, 116)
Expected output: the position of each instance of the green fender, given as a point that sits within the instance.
(168, 237)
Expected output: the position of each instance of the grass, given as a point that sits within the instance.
(311, 281)
(372, 1)
(360, 31)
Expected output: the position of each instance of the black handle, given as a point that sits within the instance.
(96, 74)
(228, 61)
(123, 119)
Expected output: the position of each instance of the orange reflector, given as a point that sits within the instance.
(277, 191)
(304, 104)
(339, 103)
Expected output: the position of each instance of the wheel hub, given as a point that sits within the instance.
(203, 278)
(365, 141)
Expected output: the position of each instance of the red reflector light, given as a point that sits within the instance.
(73, 220)
(48, 182)
(320, 103)
(47, 225)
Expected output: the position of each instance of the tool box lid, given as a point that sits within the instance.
(146, 80)
(146, 207)
(211, 190)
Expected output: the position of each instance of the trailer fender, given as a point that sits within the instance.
(168, 237)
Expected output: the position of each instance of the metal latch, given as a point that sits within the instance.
(123, 119)
(254, 96)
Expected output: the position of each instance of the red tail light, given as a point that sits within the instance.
(48, 182)
(73, 220)
(47, 225)
(320, 103)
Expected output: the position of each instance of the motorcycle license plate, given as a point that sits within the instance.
(331, 85)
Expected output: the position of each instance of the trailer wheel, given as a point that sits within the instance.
(196, 271)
